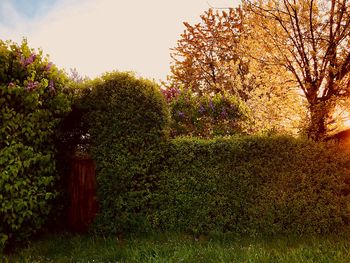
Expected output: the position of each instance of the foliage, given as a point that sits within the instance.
(205, 116)
(253, 185)
(245, 185)
(205, 59)
(311, 40)
(275, 103)
(32, 103)
(215, 57)
(126, 120)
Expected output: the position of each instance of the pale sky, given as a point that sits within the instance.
(95, 36)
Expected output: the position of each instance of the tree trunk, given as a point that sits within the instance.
(319, 114)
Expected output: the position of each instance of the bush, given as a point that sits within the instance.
(32, 103)
(126, 120)
(205, 116)
(253, 185)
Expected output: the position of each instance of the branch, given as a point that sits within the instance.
(344, 69)
(313, 42)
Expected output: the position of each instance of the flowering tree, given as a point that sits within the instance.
(33, 100)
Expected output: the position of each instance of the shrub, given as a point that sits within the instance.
(205, 116)
(126, 120)
(253, 185)
(32, 103)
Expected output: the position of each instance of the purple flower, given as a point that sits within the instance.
(31, 85)
(223, 112)
(52, 85)
(201, 109)
(27, 61)
(181, 114)
(232, 106)
(31, 59)
(211, 104)
(11, 85)
(22, 60)
(174, 91)
(170, 94)
(48, 66)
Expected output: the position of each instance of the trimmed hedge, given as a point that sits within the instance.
(127, 120)
(252, 185)
(244, 184)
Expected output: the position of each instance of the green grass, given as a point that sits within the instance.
(183, 248)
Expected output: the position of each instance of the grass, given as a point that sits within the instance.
(183, 248)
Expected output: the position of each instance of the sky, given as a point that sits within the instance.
(96, 36)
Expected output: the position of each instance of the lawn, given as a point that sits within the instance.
(183, 248)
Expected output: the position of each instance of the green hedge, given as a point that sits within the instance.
(244, 184)
(126, 120)
(252, 185)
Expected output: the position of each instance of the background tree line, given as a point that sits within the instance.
(288, 61)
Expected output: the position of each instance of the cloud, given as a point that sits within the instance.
(95, 36)
(9, 16)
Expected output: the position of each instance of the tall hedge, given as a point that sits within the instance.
(32, 103)
(126, 121)
(253, 185)
(242, 184)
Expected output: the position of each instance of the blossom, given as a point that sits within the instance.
(22, 60)
(181, 114)
(174, 91)
(211, 104)
(201, 109)
(31, 59)
(223, 112)
(170, 94)
(233, 106)
(51, 85)
(48, 66)
(27, 61)
(31, 85)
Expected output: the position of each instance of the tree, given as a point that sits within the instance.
(209, 60)
(205, 58)
(311, 39)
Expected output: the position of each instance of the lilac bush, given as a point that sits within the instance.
(33, 100)
(205, 116)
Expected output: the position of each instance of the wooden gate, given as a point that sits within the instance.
(82, 190)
